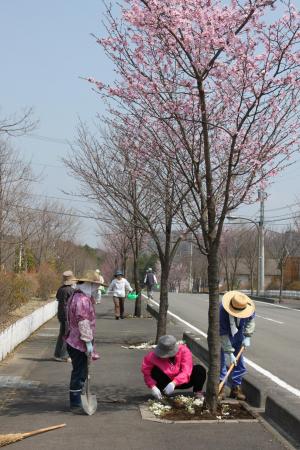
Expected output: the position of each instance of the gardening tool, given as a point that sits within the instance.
(88, 400)
(231, 369)
(6, 439)
(132, 296)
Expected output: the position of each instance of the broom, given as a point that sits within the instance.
(6, 439)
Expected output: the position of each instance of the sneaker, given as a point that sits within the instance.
(237, 393)
(122, 317)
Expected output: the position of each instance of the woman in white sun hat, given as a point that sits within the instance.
(237, 325)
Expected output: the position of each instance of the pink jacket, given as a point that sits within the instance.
(179, 372)
(81, 321)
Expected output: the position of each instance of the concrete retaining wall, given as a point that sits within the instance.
(23, 328)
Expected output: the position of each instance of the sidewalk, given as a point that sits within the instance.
(38, 397)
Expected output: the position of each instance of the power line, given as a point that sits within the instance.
(283, 207)
(59, 213)
(48, 139)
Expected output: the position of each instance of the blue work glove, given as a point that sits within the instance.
(89, 348)
(169, 389)
(156, 393)
(246, 341)
(230, 359)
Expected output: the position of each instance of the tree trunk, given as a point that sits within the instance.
(138, 302)
(163, 302)
(281, 284)
(251, 278)
(213, 338)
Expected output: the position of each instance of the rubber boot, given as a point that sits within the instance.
(236, 392)
(75, 402)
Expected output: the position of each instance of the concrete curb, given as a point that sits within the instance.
(23, 328)
(281, 408)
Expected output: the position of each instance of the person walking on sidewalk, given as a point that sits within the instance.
(99, 291)
(119, 287)
(80, 337)
(237, 325)
(62, 296)
(149, 281)
(169, 367)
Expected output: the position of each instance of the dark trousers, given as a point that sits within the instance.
(197, 379)
(78, 375)
(61, 346)
(119, 306)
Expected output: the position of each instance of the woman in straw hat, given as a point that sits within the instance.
(236, 328)
(169, 367)
(80, 337)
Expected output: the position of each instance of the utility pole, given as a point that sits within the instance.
(261, 244)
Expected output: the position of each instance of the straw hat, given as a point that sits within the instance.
(166, 346)
(69, 278)
(238, 304)
(91, 276)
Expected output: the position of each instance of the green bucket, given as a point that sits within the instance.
(132, 296)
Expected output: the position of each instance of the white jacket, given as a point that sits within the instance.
(119, 287)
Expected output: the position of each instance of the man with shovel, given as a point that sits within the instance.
(236, 328)
(81, 319)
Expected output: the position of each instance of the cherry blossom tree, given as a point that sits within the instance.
(223, 85)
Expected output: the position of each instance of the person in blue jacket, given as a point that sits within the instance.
(237, 325)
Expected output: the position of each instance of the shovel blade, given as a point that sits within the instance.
(89, 404)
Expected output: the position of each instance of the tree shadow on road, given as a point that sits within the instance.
(54, 399)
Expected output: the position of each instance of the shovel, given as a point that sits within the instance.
(231, 369)
(88, 400)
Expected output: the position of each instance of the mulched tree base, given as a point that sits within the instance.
(235, 411)
(228, 411)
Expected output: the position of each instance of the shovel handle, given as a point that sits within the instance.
(231, 367)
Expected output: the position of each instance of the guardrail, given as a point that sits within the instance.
(275, 293)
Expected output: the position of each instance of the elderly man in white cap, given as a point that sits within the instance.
(62, 296)
(236, 328)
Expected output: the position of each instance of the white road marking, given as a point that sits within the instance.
(271, 320)
(252, 364)
(275, 305)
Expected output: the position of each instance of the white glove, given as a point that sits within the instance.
(169, 389)
(156, 393)
(230, 359)
(246, 341)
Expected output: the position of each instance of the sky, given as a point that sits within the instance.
(45, 48)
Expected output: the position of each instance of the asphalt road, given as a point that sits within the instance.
(276, 343)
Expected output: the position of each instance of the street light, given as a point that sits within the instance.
(261, 252)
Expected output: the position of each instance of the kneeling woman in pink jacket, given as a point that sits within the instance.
(169, 367)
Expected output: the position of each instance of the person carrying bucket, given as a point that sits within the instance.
(81, 320)
(237, 325)
(119, 286)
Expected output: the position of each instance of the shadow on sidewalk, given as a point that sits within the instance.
(44, 400)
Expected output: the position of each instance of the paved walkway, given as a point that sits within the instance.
(37, 396)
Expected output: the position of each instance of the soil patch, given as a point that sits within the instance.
(181, 408)
(23, 311)
(225, 411)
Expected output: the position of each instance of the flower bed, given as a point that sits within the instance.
(180, 408)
